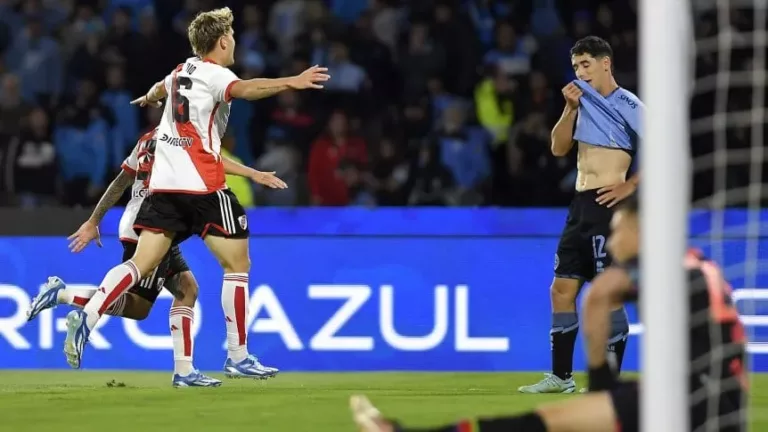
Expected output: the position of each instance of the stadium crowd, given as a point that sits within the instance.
(431, 102)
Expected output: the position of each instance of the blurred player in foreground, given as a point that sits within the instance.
(188, 193)
(604, 159)
(717, 384)
(172, 273)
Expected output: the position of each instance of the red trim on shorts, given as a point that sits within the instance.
(182, 191)
(217, 226)
(143, 227)
(129, 240)
(228, 91)
(128, 169)
(618, 426)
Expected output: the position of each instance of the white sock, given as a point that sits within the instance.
(234, 301)
(115, 283)
(180, 320)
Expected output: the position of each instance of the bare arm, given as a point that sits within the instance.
(260, 88)
(238, 169)
(153, 97)
(111, 196)
(605, 295)
(265, 178)
(562, 133)
(157, 92)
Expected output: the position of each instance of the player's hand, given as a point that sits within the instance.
(144, 101)
(609, 196)
(269, 179)
(88, 232)
(572, 93)
(310, 78)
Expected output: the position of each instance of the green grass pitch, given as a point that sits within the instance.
(145, 402)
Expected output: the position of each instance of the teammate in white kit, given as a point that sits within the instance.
(172, 273)
(188, 194)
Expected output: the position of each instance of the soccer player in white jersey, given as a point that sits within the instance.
(188, 194)
(172, 273)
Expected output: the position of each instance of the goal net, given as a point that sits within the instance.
(704, 82)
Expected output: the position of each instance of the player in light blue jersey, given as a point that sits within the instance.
(603, 119)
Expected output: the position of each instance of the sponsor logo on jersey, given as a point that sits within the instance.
(177, 142)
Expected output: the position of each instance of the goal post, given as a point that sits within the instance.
(665, 42)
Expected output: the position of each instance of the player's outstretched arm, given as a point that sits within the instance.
(89, 230)
(153, 97)
(268, 179)
(260, 88)
(607, 293)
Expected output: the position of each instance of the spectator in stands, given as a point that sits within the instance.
(118, 100)
(509, 54)
(455, 33)
(484, 15)
(389, 175)
(439, 97)
(281, 157)
(12, 107)
(348, 77)
(422, 59)
(464, 151)
(416, 122)
(87, 62)
(82, 140)
(494, 107)
(254, 40)
(294, 123)
(430, 182)
(118, 47)
(37, 59)
(30, 163)
(375, 58)
(327, 183)
(286, 21)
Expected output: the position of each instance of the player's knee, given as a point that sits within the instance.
(236, 262)
(563, 293)
(188, 289)
(137, 308)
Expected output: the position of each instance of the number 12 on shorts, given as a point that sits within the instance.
(598, 252)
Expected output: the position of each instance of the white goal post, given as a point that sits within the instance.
(665, 42)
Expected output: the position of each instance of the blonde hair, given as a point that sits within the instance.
(206, 29)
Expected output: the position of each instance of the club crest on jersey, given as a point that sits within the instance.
(177, 142)
(243, 221)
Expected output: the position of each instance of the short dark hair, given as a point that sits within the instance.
(630, 205)
(595, 46)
